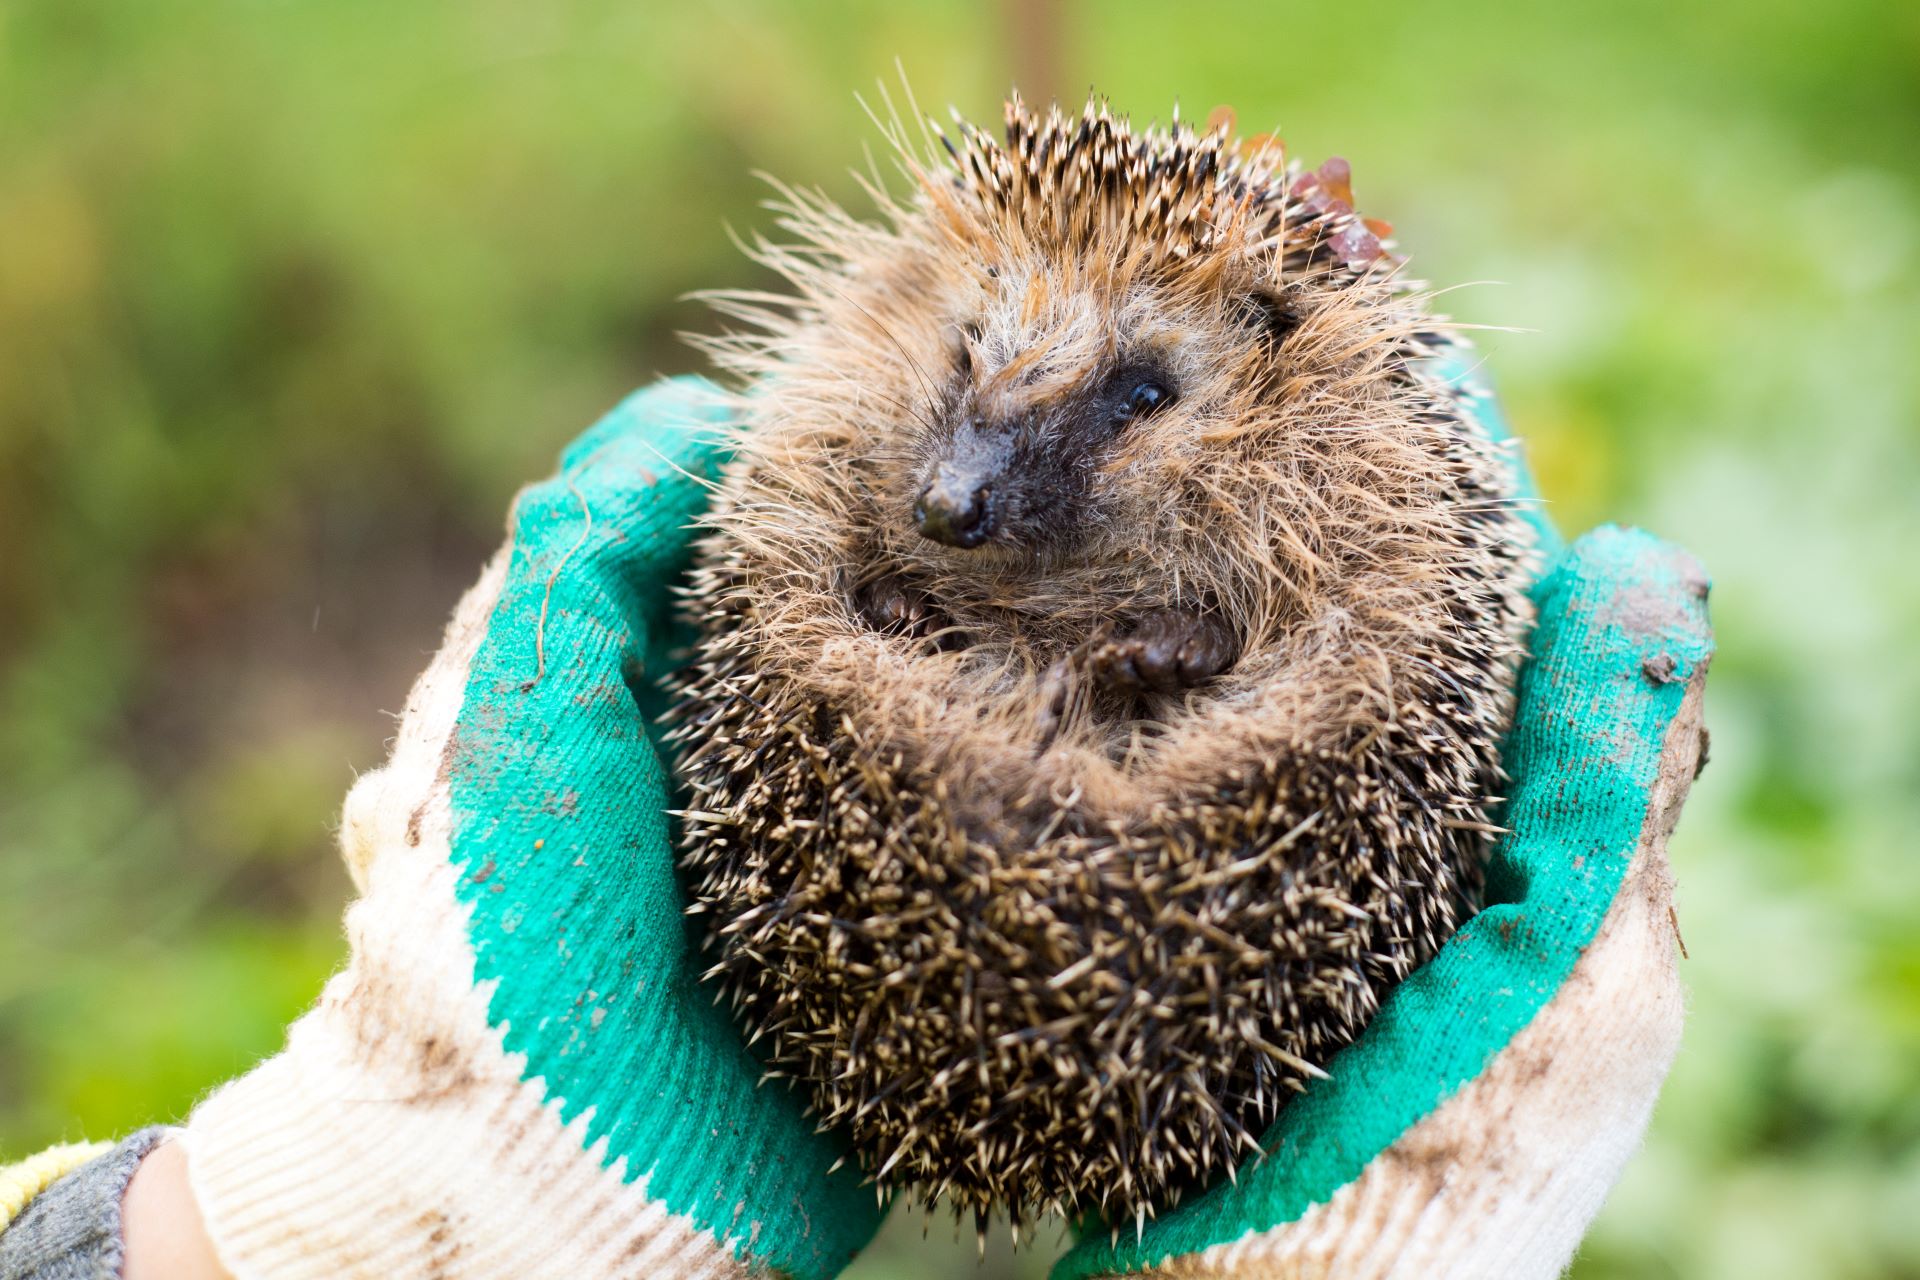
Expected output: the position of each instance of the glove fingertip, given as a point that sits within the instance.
(1622, 630)
(637, 480)
(672, 428)
(1632, 591)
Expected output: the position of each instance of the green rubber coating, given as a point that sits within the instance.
(566, 859)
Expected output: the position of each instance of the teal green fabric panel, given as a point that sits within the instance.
(1622, 628)
(564, 849)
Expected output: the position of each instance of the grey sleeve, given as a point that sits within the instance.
(71, 1231)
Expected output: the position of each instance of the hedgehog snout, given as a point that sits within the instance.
(955, 509)
(958, 507)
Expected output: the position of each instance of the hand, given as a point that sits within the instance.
(518, 1073)
(1476, 1125)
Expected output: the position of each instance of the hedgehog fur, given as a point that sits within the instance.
(1039, 938)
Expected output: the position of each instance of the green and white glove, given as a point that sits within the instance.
(1476, 1126)
(517, 1074)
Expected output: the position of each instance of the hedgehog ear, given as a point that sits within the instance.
(1275, 315)
(963, 357)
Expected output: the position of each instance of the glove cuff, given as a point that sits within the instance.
(367, 1149)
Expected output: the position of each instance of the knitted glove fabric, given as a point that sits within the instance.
(517, 1074)
(1475, 1127)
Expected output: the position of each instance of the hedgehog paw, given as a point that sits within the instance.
(1166, 651)
(891, 606)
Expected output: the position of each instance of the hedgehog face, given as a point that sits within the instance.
(1072, 416)
(1051, 397)
(1014, 460)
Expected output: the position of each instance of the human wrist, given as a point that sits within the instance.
(164, 1236)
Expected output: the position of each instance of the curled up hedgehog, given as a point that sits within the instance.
(1108, 625)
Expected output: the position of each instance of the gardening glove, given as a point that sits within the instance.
(518, 1074)
(1476, 1125)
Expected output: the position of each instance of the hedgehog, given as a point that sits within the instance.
(1107, 625)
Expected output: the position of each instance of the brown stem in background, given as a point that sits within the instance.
(1033, 32)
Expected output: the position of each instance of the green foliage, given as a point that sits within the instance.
(293, 295)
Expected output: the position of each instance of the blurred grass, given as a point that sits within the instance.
(293, 295)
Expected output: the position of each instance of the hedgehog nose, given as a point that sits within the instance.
(955, 514)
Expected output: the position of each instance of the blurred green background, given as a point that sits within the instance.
(293, 295)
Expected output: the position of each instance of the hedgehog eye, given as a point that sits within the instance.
(1147, 396)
